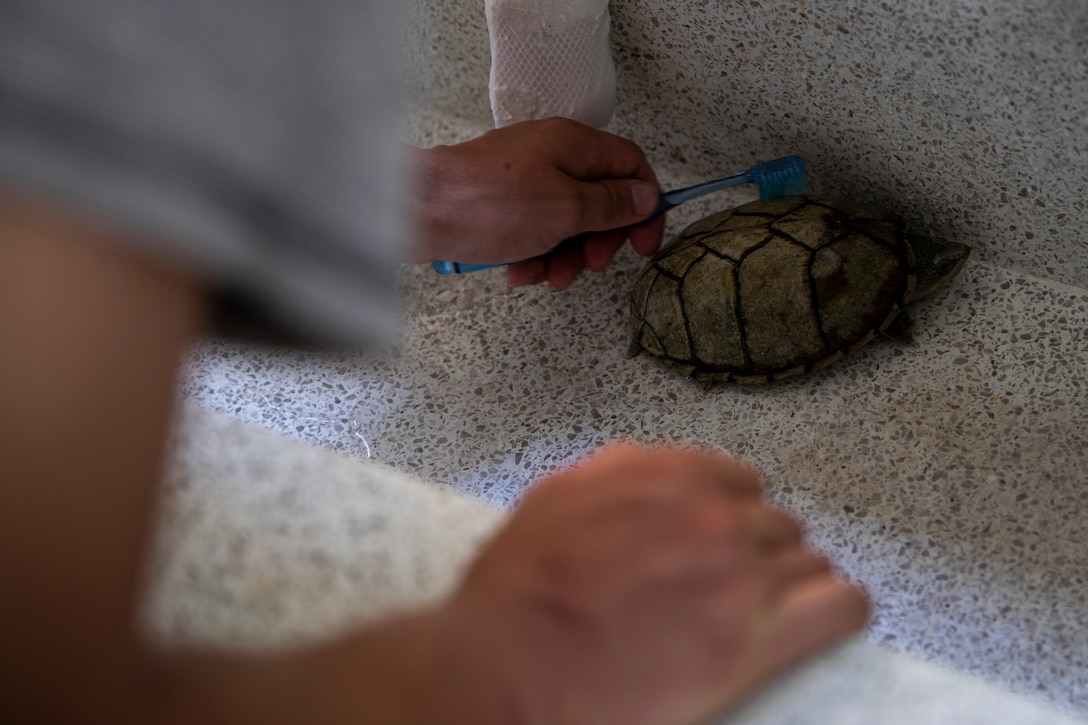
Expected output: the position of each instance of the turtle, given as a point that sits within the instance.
(784, 286)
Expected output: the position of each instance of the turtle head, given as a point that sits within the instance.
(936, 262)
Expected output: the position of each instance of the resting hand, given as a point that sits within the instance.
(514, 194)
(649, 587)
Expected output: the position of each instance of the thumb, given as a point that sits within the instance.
(616, 203)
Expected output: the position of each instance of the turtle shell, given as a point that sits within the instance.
(774, 288)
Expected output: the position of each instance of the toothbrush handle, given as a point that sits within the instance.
(679, 196)
(443, 267)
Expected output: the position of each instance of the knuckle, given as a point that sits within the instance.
(616, 200)
(628, 456)
(553, 122)
(575, 208)
(803, 564)
(621, 451)
(715, 521)
(558, 126)
(689, 470)
(596, 207)
(858, 605)
(554, 133)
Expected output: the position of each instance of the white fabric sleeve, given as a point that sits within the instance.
(551, 58)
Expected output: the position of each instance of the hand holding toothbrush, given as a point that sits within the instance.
(515, 194)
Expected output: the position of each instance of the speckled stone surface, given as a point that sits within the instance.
(268, 544)
(951, 478)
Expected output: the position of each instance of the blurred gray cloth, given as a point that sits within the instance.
(254, 140)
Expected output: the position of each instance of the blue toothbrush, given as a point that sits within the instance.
(778, 177)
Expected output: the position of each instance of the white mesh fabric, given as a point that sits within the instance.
(551, 58)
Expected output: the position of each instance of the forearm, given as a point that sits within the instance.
(91, 340)
(415, 670)
(92, 335)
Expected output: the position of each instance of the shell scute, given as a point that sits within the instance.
(813, 226)
(709, 297)
(856, 282)
(678, 263)
(857, 211)
(782, 330)
(664, 315)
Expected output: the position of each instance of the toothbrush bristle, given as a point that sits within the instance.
(781, 177)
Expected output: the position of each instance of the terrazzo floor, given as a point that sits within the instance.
(950, 478)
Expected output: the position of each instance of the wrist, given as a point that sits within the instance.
(477, 674)
(430, 668)
(428, 205)
(433, 668)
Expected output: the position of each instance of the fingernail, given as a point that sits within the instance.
(644, 197)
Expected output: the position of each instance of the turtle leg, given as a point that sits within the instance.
(900, 329)
(634, 349)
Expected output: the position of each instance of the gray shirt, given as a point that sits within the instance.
(255, 140)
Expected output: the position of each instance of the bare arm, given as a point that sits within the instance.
(91, 338)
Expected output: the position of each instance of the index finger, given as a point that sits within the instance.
(731, 475)
(646, 238)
